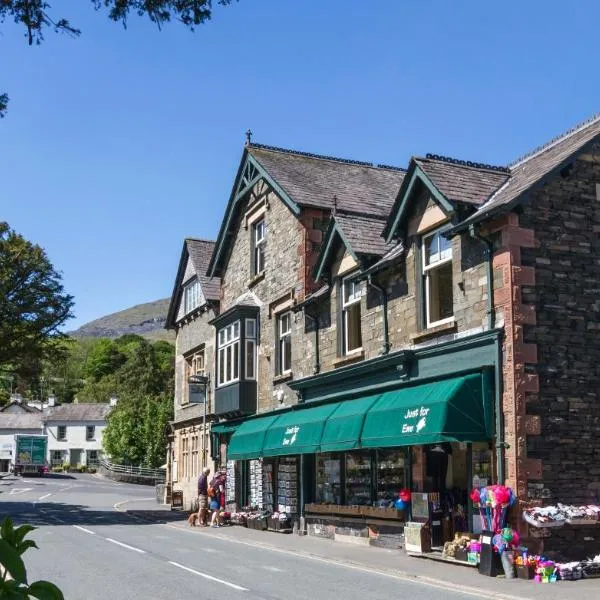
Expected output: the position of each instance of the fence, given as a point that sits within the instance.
(131, 474)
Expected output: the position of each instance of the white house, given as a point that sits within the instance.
(75, 433)
(11, 422)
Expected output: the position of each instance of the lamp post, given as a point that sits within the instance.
(198, 386)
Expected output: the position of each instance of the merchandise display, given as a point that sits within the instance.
(267, 489)
(287, 486)
(391, 475)
(358, 478)
(230, 483)
(561, 514)
(256, 483)
(328, 480)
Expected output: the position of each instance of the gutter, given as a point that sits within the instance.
(491, 322)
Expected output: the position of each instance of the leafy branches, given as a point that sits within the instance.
(13, 574)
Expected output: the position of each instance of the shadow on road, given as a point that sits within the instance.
(48, 514)
(49, 476)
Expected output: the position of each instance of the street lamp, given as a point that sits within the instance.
(198, 386)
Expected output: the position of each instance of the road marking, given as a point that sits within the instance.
(44, 496)
(125, 545)
(84, 529)
(210, 577)
(274, 569)
(19, 491)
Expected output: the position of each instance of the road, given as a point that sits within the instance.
(94, 552)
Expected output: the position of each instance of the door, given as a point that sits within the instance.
(75, 458)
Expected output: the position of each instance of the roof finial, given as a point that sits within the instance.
(334, 210)
(248, 137)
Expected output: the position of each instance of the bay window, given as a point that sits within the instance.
(437, 278)
(250, 348)
(229, 353)
(352, 336)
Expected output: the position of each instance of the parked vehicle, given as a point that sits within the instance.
(30, 454)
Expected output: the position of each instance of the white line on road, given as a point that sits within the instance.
(84, 529)
(125, 545)
(44, 496)
(210, 577)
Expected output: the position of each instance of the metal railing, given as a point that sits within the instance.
(130, 471)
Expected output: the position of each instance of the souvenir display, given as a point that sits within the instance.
(230, 483)
(256, 483)
(561, 514)
(287, 486)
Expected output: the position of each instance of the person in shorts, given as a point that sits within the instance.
(203, 497)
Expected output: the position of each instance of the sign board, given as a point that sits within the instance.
(31, 450)
(417, 538)
(196, 393)
(420, 507)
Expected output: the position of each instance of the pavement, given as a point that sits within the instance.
(101, 539)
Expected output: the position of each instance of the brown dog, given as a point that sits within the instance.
(193, 519)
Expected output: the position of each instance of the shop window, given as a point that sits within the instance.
(259, 242)
(437, 278)
(358, 478)
(229, 354)
(328, 479)
(191, 296)
(351, 331)
(284, 343)
(392, 475)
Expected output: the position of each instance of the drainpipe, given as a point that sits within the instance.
(491, 323)
(385, 349)
(315, 320)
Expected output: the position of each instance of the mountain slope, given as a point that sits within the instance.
(147, 320)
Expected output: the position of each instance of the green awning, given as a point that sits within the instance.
(342, 429)
(451, 410)
(248, 440)
(224, 427)
(297, 431)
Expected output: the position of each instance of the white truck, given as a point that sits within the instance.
(30, 454)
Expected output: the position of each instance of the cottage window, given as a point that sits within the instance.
(90, 432)
(259, 242)
(437, 278)
(229, 353)
(61, 433)
(57, 457)
(92, 458)
(191, 296)
(351, 294)
(284, 343)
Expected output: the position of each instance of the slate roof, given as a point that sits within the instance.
(21, 420)
(80, 411)
(200, 252)
(531, 169)
(313, 180)
(363, 233)
(322, 292)
(24, 407)
(460, 181)
(387, 259)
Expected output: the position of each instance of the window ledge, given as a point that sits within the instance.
(348, 359)
(254, 280)
(432, 332)
(283, 377)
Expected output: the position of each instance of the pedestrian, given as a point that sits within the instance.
(203, 497)
(217, 486)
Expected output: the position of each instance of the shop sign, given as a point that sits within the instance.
(289, 437)
(415, 420)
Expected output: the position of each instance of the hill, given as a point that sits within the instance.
(147, 320)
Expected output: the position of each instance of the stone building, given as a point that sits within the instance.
(433, 328)
(194, 303)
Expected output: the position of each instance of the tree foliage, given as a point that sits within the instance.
(36, 16)
(33, 303)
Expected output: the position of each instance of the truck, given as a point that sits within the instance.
(30, 454)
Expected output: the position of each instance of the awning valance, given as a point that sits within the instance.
(450, 410)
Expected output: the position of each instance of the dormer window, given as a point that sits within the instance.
(259, 242)
(437, 278)
(191, 296)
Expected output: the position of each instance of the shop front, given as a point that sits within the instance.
(335, 463)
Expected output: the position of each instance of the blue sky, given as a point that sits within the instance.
(120, 143)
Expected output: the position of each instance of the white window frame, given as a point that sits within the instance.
(346, 304)
(228, 339)
(191, 296)
(59, 437)
(282, 336)
(442, 258)
(250, 349)
(259, 240)
(56, 457)
(88, 437)
(92, 461)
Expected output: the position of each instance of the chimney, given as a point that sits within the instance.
(51, 401)
(113, 400)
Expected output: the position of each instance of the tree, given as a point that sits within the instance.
(33, 303)
(105, 358)
(36, 17)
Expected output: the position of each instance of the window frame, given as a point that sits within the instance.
(191, 301)
(250, 342)
(63, 429)
(345, 306)
(282, 337)
(426, 269)
(228, 343)
(258, 247)
(88, 437)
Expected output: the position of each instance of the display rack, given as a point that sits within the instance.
(390, 476)
(256, 483)
(287, 485)
(358, 479)
(328, 479)
(267, 491)
(230, 483)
